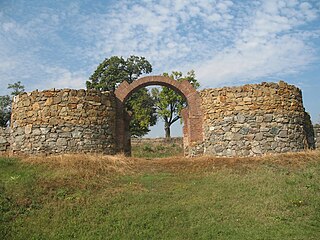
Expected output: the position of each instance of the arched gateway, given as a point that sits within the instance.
(248, 120)
(191, 115)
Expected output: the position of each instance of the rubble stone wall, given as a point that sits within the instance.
(4, 140)
(57, 121)
(231, 121)
(253, 120)
(157, 141)
(317, 135)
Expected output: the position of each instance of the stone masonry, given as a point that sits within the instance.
(191, 115)
(254, 119)
(317, 135)
(57, 121)
(248, 120)
(4, 140)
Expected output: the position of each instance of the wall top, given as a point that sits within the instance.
(280, 85)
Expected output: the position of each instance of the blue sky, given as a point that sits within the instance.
(58, 44)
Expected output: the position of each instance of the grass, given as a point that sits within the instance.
(101, 197)
(149, 150)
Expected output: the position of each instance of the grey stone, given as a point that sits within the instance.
(283, 134)
(258, 136)
(226, 129)
(256, 150)
(218, 148)
(274, 130)
(240, 118)
(268, 117)
(44, 130)
(244, 130)
(237, 137)
(76, 134)
(259, 119)
(3, 140)
(19, 139)
(19, 131)
(65, 135)
(62, 142)
(228, 136)
(36, 131)
(228, 119)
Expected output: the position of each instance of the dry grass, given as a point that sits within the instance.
(90, 165)
(84, 165)
(91, 196)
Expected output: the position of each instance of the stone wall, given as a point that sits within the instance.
(253, 120)
(56, 121)
(317, 135)
(4, 140)
(231, 121)
(157, 141)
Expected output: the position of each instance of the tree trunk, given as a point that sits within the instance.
(167, 130)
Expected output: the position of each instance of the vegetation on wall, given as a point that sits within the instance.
(5, 103)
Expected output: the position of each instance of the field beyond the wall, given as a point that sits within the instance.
(104, 197)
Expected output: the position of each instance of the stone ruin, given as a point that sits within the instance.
(249, 120)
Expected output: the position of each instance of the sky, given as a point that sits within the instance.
(58, 44)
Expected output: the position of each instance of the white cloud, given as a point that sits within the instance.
(223, 40)
(252, 60)
(63, 78)
(268, 47)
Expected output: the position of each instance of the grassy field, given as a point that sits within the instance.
(154, 150)
(100, 197)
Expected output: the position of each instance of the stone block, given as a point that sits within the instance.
(240, 118)
(61, 142)
(268, 117)
(258, 136)
(28, 129)
(283, 134)
(3, 140)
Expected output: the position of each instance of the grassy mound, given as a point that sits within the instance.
(104, 197)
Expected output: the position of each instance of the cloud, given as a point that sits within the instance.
(270, 46)
(165, 32)
(224, 41)
(64, 78)
(59, 45)
(251, 60)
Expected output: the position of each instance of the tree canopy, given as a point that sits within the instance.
(169, 103)
(111, 72)
(5, 103)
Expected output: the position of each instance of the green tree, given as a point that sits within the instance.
(5, 110)
(114, 70)
(17, 88)
(169, 103)
(111, 72)
(142, 107)
(5, 103)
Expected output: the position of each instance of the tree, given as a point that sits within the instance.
(5, 110)
(111, 72)
(169, 103)
(142, 108)
(17, 88)
(114, 70)
(5, 103)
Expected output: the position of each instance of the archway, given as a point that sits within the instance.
(191, 115)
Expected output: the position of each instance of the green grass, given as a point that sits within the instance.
(162, 199)
(149, 150)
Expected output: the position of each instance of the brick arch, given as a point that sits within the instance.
(191, 115)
